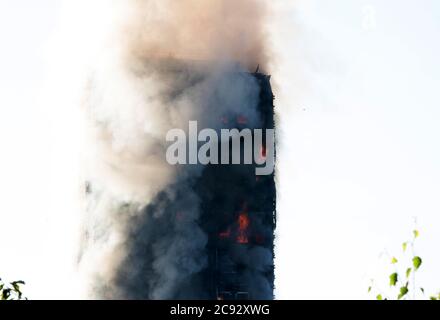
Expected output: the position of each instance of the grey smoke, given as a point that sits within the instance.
(141, 237)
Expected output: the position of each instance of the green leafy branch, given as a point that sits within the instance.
(11, 291)
(403, 283)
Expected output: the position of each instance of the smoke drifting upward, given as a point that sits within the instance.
(163, 64)
(197, 29)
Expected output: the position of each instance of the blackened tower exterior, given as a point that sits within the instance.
(239, 215)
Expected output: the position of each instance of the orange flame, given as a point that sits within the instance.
(263, 153)
(243, 225)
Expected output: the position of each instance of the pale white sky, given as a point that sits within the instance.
(358, 105)
(360, 152)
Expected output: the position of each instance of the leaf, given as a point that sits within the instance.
(433, 298)
(16, 285)
(423, 290)
(404, 246)
(379, 297)
(417, 262)
(408, 272)
(416, 233)
(17, 289)
(6, 294)
(369, 289)
(393, 279)
(403, 292)
(394, 260)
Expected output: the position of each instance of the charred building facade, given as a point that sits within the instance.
(238, 214)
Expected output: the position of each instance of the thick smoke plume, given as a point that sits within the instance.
(224, 30)
(163, 63)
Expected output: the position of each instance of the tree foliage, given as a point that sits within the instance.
(402, 281)
(11, 290)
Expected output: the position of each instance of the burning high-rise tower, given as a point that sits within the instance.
(238, 214)
(155, 230)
